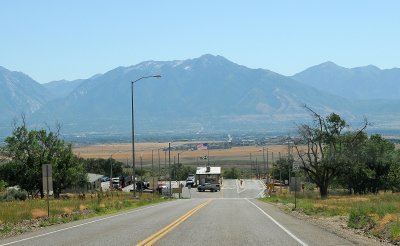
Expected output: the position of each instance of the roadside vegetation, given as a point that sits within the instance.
(20, 216)
(374, 214)
(343, 172)
(329, 156)
(21, 189)
(330, 152)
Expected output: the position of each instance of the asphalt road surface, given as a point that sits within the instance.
(231, 216)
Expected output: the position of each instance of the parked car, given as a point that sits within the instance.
(105, 179)
(191, 180)
(209, 186)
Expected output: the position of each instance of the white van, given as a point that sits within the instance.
(115, 183)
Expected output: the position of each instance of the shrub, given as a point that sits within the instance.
(3, 185)
(20, 195)
(395, 231)
(359, 219)
(13, 194)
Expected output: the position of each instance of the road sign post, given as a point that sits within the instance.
(47, 183)
(295, 168)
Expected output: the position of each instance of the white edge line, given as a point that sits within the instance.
(86, 223)
(261, 194)
(278, 224)
(244, 189)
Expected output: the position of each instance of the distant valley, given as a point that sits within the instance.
(201, 97)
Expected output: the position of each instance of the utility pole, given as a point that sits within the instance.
(159, 165)
(169, 169)
(265, 167)
(152, 169)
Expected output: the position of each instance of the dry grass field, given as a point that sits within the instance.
(123, 152)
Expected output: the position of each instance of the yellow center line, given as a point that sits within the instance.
(161, 233)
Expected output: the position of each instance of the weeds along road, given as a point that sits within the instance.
(229, 217)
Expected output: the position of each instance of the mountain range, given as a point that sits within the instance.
(206, 94)
(363, 83)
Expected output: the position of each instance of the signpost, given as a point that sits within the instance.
(47, 183)
(295, 168)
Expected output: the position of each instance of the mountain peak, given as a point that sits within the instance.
(209, 60)
(326, 67)
(328, 64)
(368, 68)
(213, 58)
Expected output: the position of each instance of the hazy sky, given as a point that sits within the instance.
(53, 40)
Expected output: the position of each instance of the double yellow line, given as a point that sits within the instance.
(161, 233)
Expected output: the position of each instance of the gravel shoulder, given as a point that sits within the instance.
(338, 226)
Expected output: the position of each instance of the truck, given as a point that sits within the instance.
(191, 180)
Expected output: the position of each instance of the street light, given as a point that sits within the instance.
(133, 131)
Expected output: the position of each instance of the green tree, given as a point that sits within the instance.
(394, 172)
(181, 172)
(232, 173)
(281, 168)
(354, 175)
(324, 155)
(368, 164)
(27, 150)
(378, 158)
(103, 166)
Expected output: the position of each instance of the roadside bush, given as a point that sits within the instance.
(395, 231)
(359, 219)
(3, 185)
(13, 194)
(232, 173)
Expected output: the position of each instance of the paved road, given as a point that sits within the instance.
(229, 217)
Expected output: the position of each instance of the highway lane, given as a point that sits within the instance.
(228, 217)
(238, 221)
(126, 228)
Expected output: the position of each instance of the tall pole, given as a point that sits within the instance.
(257, 170)
(111, 180)
(159, 165)
(141, 175)
(208, 156)
(47, 191)
(265, 167)
(288, 160)
(251, 166)
(133, 146)
(169, 168)
(165, 162)
(133, 131)
(173, 170)
(152, 169)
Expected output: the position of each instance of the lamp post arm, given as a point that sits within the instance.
(133, 131)
(145, 77)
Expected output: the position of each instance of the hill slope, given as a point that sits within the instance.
(209, 90)
(364, 83)
(20, 94)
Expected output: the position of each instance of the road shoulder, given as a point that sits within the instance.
(336, 225)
